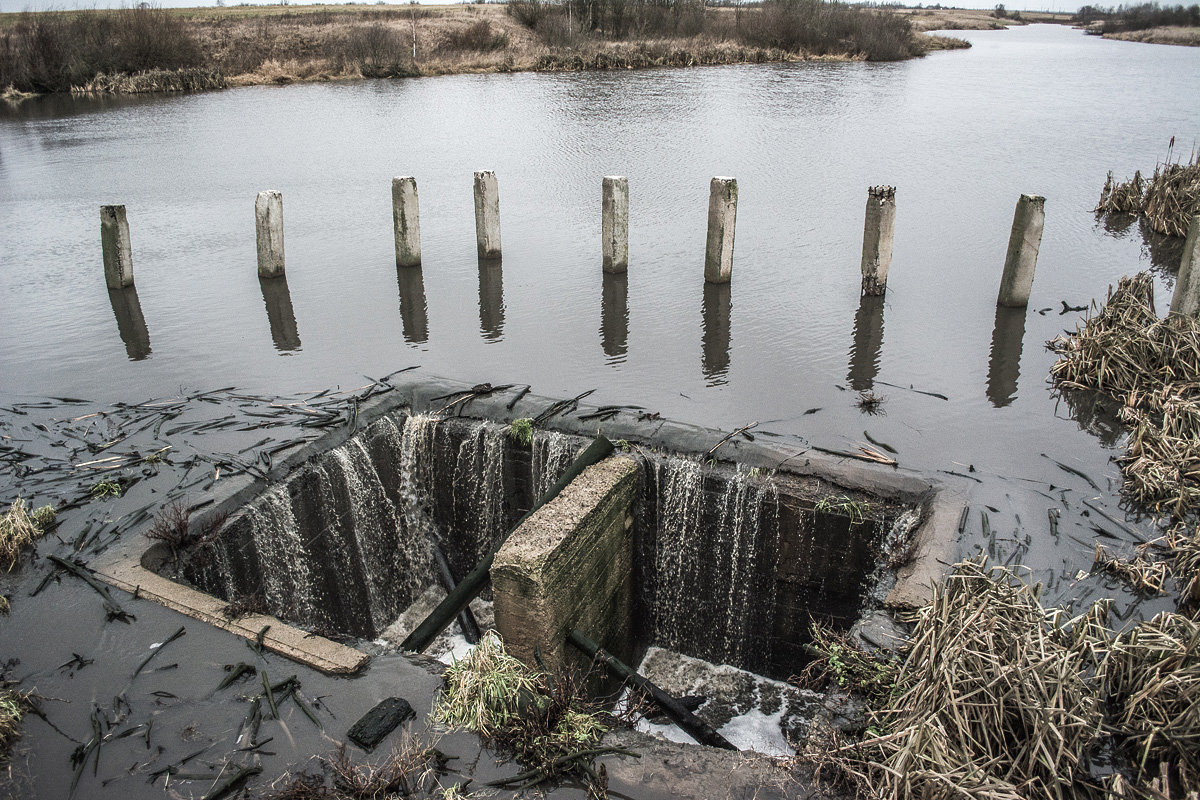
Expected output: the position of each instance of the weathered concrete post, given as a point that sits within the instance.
(268, 217)
(487, 214)
(722, 217)
(878, 229)
(1023, 244)
(615, 224)
(114, 241)
(1186, 299)
(406, 218)
(570, 565)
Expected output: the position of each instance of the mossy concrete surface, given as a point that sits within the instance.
(570, 565)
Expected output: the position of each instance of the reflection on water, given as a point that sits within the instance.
(1004, 363)
(280, 315)
(491, 300)
(131, 325)
(1164, 252)
(1095, 413)
(414, 313)
(714, 344)
(614, 316)
(867, 344)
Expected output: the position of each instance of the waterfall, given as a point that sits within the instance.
(478, 485)
(552, 453)
(714, 562)
(286, 579)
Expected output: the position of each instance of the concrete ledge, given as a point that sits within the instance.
(122, 568)
(570, 565)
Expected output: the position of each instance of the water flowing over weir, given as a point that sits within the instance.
(730, 564)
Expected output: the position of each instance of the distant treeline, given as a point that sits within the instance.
(819, 27)
(1137, 18)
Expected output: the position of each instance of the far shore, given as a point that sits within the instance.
(216, 47)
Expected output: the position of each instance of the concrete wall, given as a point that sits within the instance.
(570, 566)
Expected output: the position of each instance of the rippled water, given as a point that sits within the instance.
(1041, 109)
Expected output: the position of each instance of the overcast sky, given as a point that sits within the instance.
(42, 5)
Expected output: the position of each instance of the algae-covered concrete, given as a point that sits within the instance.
(570, 566)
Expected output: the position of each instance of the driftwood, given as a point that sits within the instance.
(470, 586)
(692, 725)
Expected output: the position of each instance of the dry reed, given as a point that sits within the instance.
(1152, 681)
(1144, 575)
(19, 527)
(1121, 198)
(1168, 200)
(991, 701)
(1152, 367)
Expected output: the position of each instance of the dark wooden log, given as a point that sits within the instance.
(692, 725)
(466, 619)
(470, 586)
(376, 724)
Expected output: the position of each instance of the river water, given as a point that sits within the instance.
(1039, 109)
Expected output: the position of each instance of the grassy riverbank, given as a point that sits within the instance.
(148, 49)
(1147, 22)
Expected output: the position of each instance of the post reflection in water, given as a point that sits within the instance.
(491, 300)
(414, 313)
(614, 316)
(280, 315)
(867, 345)
(714, 345)
(1004, 364)
(131, 325)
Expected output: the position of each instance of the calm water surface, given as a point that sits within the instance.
(1041, 109)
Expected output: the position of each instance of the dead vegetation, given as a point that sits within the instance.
(997, 697)
(19, 528)
(412, 768)
(172, 526)
(1169, 199)
(13, 705)
(1152, 367)
(543, 720)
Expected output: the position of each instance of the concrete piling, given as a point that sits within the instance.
(1186, 299)
(878, 228)
(722, 218)
(487, 214)
(114, 241)
(268, 217)
(615, 224)
(1023, 244)
(406, 218)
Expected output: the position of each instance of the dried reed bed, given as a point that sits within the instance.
(998, 698)
(1122, 198)
(1152, 367)
(1151, 678)
(992, 701)
(1169, 199)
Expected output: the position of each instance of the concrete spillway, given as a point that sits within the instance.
(730, 562)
